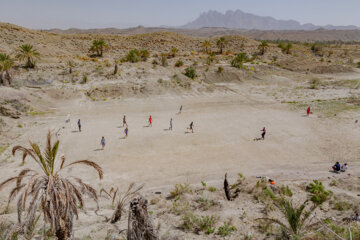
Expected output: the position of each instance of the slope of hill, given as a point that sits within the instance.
(241, 20)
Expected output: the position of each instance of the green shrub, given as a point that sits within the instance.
(199, 224)
(220, 69)
(285, 190)
(226, 230)
(238, 60)
(133, 56)
(84, 79)
(144, 54)
(342, 206)
(212, 189)
(154, 62)
(314, 83)
(190, 72)
(179, 63)
(317, 192)
(180, 189)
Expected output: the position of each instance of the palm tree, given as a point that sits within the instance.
(287, 48)
(174, 51)
(296, 218)
(221, 43)
(58, 196)
(6, 63)
(206, 45)
(238, 60)
(29, 53)
(98, 47)
(121, 200)
(262, 47)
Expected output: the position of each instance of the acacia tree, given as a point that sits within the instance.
(221, 43)
(98, 47)
(28, 53)
(59, 197)
(206, 45)
(6, 63)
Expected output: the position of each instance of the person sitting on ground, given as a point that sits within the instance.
(336, 167)
(344, 167)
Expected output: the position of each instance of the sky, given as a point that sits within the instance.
(46, 14)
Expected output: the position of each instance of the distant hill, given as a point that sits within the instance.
(292, 35)
(241, 20)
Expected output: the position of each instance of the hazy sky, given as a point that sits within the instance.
(43, 14)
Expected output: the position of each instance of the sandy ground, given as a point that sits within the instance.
(295, 147)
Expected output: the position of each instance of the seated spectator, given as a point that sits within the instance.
(336, 167)
(344, 167)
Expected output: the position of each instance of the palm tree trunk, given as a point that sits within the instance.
(8, 76)
(115, 69)
(29, 63)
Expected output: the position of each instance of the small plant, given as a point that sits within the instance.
(180, 189)
(226, 229)
(212, 189)
(358, 64)
(296, 218)
(84, 79)
(164, 61)
(179, 63)
(155, 62)
(342, 206)
(203, 184)
(285, 190)
(160, 80)
(333, 183)
(220, 69)
(314, 83)
(144, 55)
(238, 60)
(199, 224)
(190, 72)
(318, 192)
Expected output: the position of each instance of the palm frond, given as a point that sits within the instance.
(88, 163)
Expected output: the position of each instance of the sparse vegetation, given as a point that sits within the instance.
(239, 60)
(179, 63)
(318, 193)
(190, 72)
(314, 83)
(180, 189)
(226, 230)
(197, 224)
(220, 69)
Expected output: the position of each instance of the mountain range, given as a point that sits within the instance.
(241, 20)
